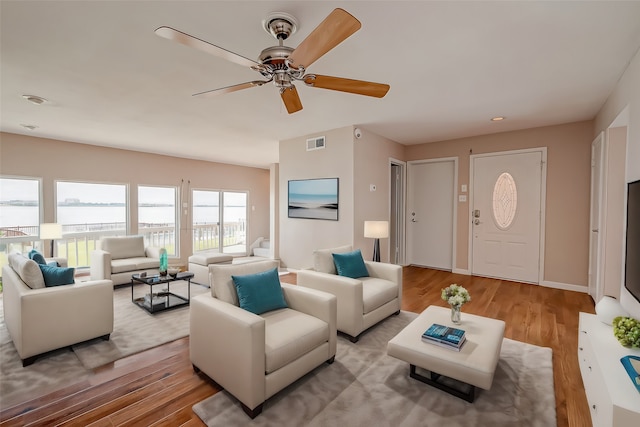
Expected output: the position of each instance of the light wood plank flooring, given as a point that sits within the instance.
(158, 387)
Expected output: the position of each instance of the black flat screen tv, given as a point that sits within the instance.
(632, 253)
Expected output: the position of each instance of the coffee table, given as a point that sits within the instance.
(165, 299)
(457, 373)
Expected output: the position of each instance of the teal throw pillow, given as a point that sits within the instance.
(350, 264)
(260, 292)
(56, 276)
(37, 256)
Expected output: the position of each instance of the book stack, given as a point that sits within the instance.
(445, 336)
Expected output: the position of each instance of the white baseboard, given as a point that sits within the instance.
(461, 271)
(564, 286)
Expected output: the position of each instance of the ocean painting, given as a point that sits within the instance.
(314, 199)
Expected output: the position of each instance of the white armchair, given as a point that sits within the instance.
(41, 319)
(255, 356)
(362, 302)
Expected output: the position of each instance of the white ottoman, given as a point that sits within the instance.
(475, 363)
(199, 265)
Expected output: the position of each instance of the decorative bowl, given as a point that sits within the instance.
(173, 271)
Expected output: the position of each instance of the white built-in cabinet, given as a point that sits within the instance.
(613, 399)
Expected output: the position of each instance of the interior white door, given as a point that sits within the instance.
(595, 241)
(506, 216)
(431, 214)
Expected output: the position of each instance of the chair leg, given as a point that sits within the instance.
(252, 412)
(330, 361)
(28, 361)
(354, 339)
(106, 337)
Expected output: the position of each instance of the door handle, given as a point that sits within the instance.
(476, 221)
(595, 230)
(413, 220)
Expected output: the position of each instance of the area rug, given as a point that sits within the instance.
(366, 387)
(134, 330)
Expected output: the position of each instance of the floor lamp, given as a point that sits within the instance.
(50, 231)
(376, 230)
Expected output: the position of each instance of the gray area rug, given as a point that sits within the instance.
(365, 387)
(134, 330)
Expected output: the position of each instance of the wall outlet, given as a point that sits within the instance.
(462, 198)
(463, 188)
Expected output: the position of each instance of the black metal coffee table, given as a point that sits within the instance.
(155, 302)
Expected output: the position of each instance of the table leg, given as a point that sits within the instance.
(433, 381)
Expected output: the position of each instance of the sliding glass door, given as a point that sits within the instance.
(219, 221)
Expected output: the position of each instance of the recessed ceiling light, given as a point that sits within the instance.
(30, 127)
(35, 99)
(497, 118)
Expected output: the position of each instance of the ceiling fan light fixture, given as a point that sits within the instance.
(498, 118)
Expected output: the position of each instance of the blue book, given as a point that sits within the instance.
(448, 336)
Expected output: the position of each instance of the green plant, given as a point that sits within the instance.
(455, 295)
(627, 331)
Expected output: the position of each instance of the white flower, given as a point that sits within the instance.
(455, 295)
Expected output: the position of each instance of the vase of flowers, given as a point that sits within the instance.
(455, 295)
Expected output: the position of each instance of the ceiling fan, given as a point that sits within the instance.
(284, 65)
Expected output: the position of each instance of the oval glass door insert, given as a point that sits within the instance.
(505, 200)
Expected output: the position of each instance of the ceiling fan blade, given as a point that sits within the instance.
(230, 89)
(335, 28)
(359, 87)
(291, 99)
(187, 40)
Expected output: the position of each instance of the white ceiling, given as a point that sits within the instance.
(451, 66)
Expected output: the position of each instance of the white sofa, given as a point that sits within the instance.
(362, 302)
(41, 319)
(118, 258)
(255, 356)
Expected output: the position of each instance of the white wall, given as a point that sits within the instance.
(623, 107)
(300, 237)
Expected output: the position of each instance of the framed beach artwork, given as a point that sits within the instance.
(313, 198)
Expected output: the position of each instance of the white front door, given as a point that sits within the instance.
(506, 215)
(431, 213)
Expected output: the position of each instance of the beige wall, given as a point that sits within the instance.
(300, 237)
(622, 108)
(371, 166)
(54, 160)
(568, 191)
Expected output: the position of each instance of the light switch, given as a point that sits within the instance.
(462, 198)
(463, 188)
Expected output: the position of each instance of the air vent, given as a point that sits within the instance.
(315, 143)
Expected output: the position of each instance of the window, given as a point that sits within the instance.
(19, 215)
(219, 221)
(157, 213)
(88, 211)
(505, 200)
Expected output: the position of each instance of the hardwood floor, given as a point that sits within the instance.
(158, 387)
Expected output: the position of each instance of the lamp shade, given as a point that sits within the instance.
(376, 229)
(50, 231)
